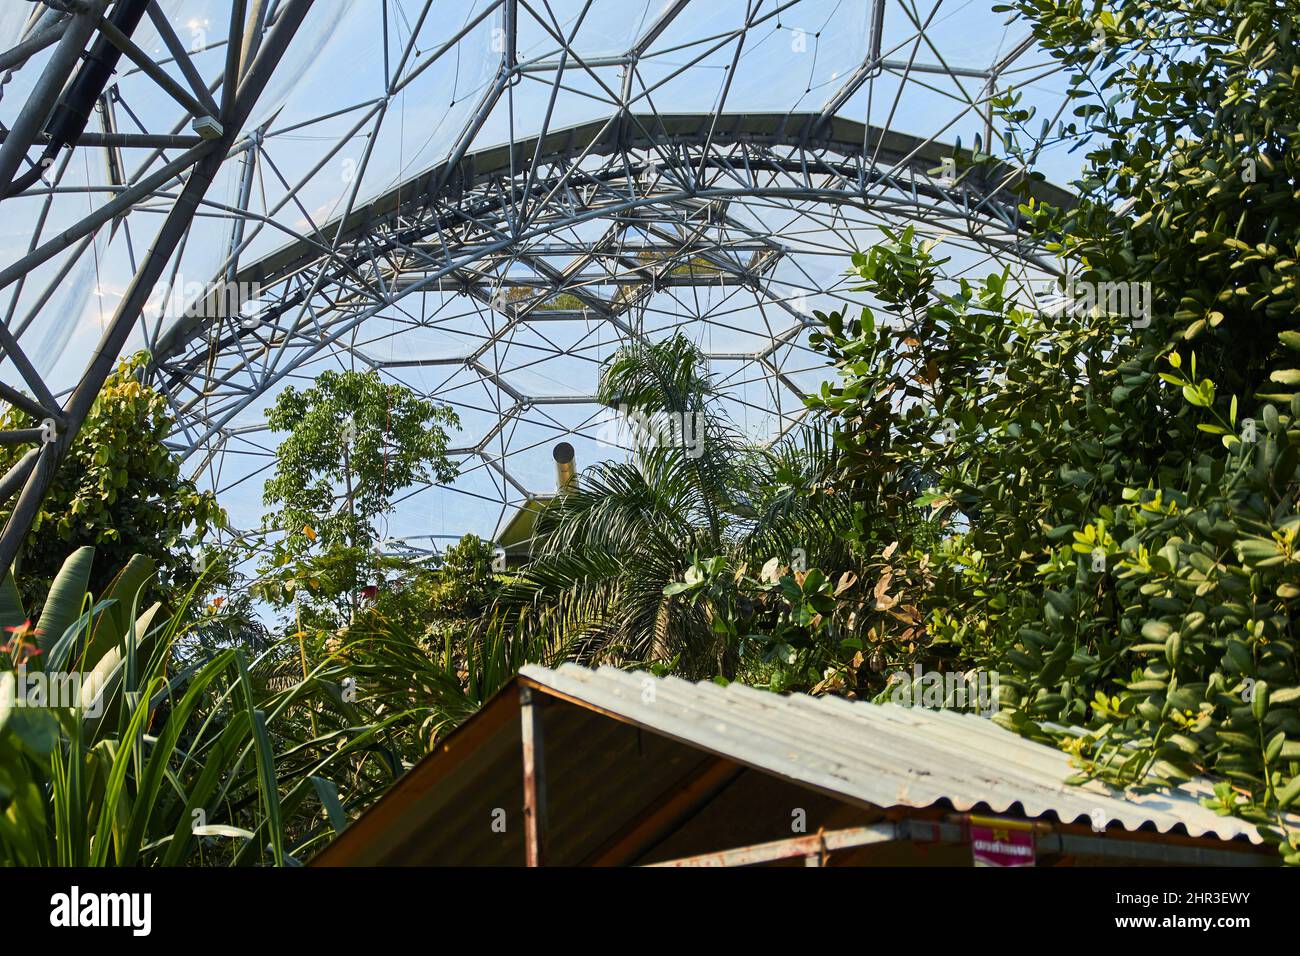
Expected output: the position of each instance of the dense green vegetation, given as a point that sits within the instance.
(1099, 506)
(119, 490)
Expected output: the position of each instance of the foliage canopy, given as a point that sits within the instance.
(119, 490)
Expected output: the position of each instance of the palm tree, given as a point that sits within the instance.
(605, 551)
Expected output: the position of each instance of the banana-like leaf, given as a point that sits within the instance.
(11, 603)
(24, 826)
(64, 601)
(61, 651)
(8, 697)
(125, 590)
(36, 727)
(99, 700)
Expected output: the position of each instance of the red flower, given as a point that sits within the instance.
(22, 633)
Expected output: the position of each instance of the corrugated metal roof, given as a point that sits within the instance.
(885, 755)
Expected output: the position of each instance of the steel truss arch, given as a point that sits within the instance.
(670, 179)
(604, 172)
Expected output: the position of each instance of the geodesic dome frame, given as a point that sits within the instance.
(498, 276)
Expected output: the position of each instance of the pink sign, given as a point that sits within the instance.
(1001, 846)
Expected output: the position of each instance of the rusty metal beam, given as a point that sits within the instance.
(815, 845)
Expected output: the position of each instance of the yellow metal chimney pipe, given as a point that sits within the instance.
(566, 471)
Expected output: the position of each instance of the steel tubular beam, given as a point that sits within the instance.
(480, 219)
(110, 210)
(9, 348)
(141, 288)
(151, 69)
(182, 58)
(39, 40)
(40, 104)
(33, 408)
(21, 436)
(142, 140)
(13, 479)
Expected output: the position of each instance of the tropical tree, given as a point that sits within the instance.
(353, 443)
(463, 587)
(691, 490)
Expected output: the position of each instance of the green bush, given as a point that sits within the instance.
(1115, 493)
(1131, 581)
(120, 490)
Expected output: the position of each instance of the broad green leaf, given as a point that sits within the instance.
(11, 603)
(63, 603)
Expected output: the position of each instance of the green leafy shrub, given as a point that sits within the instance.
(1111, 546)
(1115, 493)
(119, 490)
